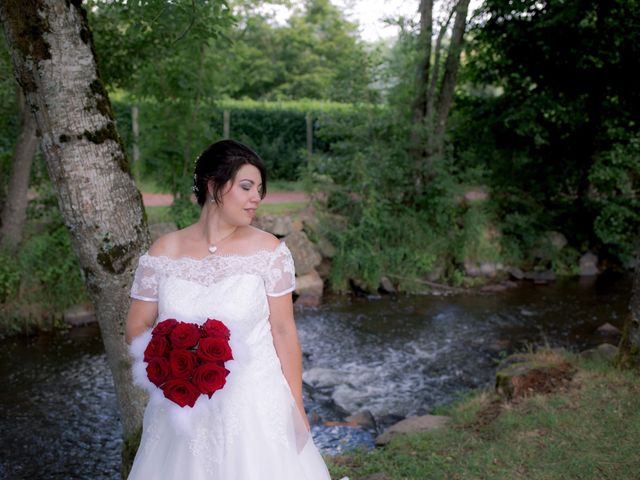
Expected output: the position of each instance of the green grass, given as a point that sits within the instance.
(284, 186)
(591, 431)
(281, 208)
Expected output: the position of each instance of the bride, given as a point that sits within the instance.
(253, 425)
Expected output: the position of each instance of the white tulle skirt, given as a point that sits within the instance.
(249, 430)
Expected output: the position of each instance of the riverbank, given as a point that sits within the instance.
(589, 429)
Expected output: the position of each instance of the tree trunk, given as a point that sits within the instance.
(432, 105)
(52, 52)
(14, 212)
(451, 71)
(629, 348)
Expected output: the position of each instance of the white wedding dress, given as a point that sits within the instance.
(251, 428)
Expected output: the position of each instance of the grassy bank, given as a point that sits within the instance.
(591, 430)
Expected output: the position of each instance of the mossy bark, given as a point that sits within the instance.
(629, 347)
(53, 58)
(130, 446)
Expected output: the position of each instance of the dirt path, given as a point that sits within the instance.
(166, 199)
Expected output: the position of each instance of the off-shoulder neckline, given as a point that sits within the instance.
(257, 253)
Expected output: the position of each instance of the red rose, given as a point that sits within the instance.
(181, 391)
(210, 377)
(185, 335)
(158, 370)
(157, 347)
(165, 327)
(182, 363)
(215, 328)
(214, 350)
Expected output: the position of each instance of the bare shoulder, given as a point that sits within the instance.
(166, 245)
(261, 240)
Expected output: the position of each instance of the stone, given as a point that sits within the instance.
(324, 269)
(309, 288)
(515, 272)
(386, 285)
(603, 352)
(608, 329)
(305, 255)
(326, 248)
(488, 269)
(423, 423)
(77, 315)
(436, 273)
(588, 264)
(156, 230)
(323, 377)
(278, 225)
(363, 418)
(557, 240)
(480, 269)
(540, 277)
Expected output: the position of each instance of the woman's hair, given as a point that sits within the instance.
(219, 163)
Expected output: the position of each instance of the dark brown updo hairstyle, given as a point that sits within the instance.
(219, 163)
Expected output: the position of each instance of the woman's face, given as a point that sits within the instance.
(241, 196)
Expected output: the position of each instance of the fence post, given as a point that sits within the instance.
(226, 117)
(309, 135)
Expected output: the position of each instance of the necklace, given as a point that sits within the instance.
(213, 247)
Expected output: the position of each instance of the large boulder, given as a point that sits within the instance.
(279, 225)
(309, 288)
(423, 423)
(589, 264)
(603, 352)
(305, 255)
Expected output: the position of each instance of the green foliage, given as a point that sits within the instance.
(183, 212)
(547, 103)
(9, 276)
(50, 270)
(616, 197)
(9, 120)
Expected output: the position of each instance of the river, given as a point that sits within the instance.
(394, 356)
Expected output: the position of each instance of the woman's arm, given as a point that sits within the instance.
(142, 315)
(285, 340)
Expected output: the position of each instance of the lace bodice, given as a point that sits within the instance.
(274, 267)
(231, 288)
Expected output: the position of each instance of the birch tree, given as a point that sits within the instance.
(435, 83)
(52, 53)
(14, 211)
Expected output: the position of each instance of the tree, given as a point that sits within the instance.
(563, 113)
(159, 53)
(98, 199)
(14, 212)
(434, 91)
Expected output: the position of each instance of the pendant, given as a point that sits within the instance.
(212, 248)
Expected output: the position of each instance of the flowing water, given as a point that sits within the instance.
(392, 356)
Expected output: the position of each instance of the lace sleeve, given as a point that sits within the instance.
(281, 277)
(145, 281)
